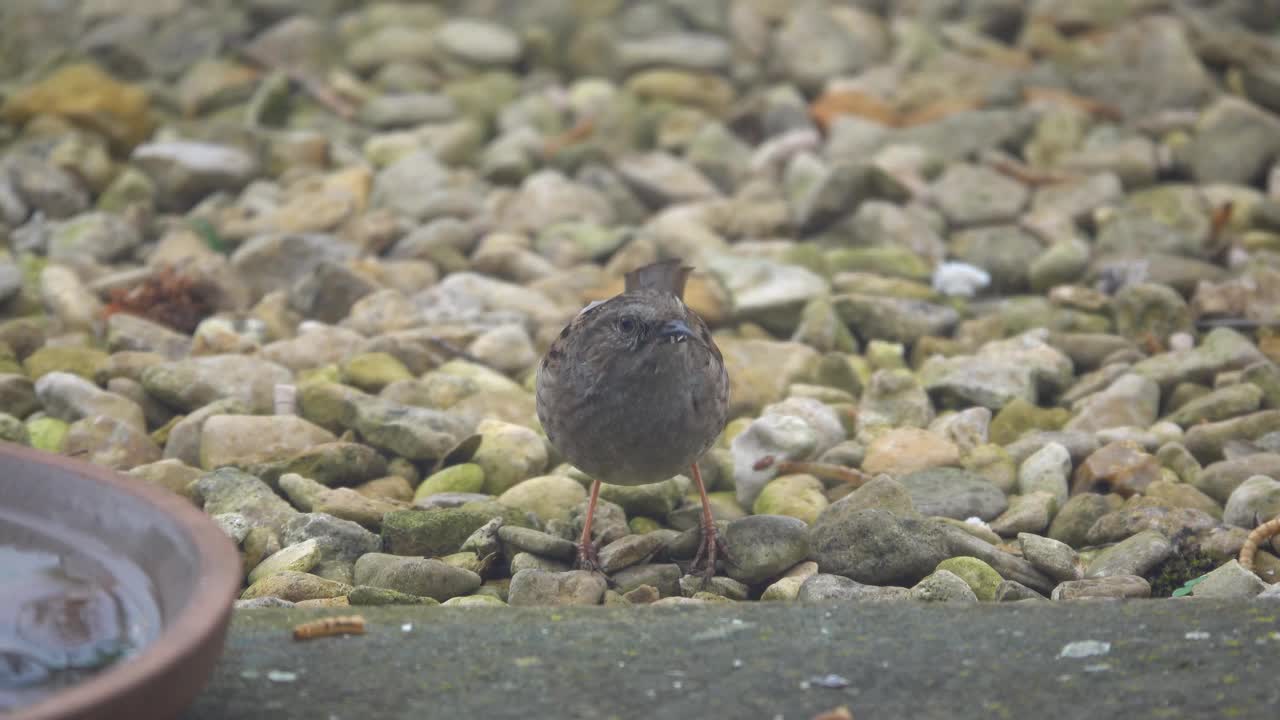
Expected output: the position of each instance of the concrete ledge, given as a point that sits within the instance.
(1166, 658)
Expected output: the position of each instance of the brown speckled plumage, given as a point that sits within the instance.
(634, 390)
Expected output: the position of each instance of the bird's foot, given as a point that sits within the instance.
(588, 557)
(711, 547)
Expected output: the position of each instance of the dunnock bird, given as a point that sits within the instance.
(634, 391)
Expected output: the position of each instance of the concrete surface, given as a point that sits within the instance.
(1166, 659)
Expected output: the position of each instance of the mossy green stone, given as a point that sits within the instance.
(797, 496)
(807, 255)
(653, 499)
(723, 502)
(9, 364)
(80, 361)
(1221, 404)
(890, 260)
(332, 464)
(296, 558)
(1180, 494)
(131, 186)
(821, 327)
(495, 588)
(441, 531)
(12, 430)
(464, 478)
(324, 373)
(641, 525)
(48, 434)
(1019, 416)
(981, 577)
(884, 355)
(466, 560)
(733, 429)
(483, 95)
(586, 239)
(550, 497)
(492, 508)
(23, 336)
(160, 436)
(1059, 264)
(294, 587)
(509, 454)
(993, 463)
(429, 533)
(328, 404)
(373, 371)
(485, 378)
(834, 370)
(821, 393)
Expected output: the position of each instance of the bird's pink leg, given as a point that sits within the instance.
(588, 559)
(711, 543)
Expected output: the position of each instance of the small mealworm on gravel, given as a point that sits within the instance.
(1258, 535)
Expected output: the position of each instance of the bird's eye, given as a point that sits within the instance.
(627, 325)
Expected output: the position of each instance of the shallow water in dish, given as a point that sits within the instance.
(68, 609)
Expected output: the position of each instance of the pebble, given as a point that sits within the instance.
(1230, 582)
(542, 588)
(537, 542)
(1055, 559)
(873, 546)
(230, 439)
(1031, 512)
(187, 170)
(1112, 587)
(630, 550)
(295, 587)
(954, 493)
(1047, 470)
(981, 578)
(1138, 554)
(825, 587)
(1254, 501)
(423, 577)
(762, 547)
(943, 586)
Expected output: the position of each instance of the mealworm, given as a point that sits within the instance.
(1258, 535)
(763, 463)
(325, 627)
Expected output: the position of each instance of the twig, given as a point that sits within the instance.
(856, 478)
(1250, 548)
(1220, 242)
(1026, 175)
(580, 131)
(455, 351)
(319, 91)
(1246, 323)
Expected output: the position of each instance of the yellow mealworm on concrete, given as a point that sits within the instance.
(326, 627)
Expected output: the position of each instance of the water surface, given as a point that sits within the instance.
(65, 612)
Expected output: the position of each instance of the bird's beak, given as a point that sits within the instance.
(675, 331)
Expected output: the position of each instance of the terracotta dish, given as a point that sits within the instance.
(186, 562)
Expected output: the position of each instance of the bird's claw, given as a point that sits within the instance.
(711, 547)
(588, 557)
